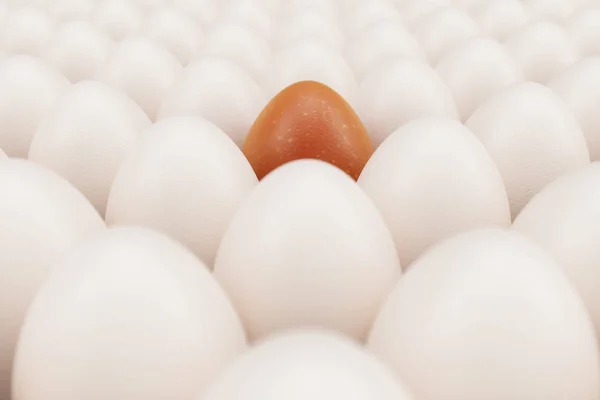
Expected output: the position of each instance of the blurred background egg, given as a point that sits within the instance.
(308, 120)
(117, 18)
(184, 177)
(532, 136)
(86, 137)
(431, 179)
(129, 315)
(42, 217)
(307, 364)
(307, 248)
(564, 218)
(488, 315)
(27, 31)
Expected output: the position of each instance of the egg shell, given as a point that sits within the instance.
(399, 91)
(311, 59)
(184, 177)
(307, 120)
(368, 12)
(309, 21)
(143, 70)
(544, 10)
(238, 42)
(69, 10)
(78, 50)
(26, 31)
(204, 12)
(583, 27)
(129, 314)
(488, 314)
(414, 11)
(86, 137)
(542, 49)
(377, 43)
(28, 90)
(579, 87)
(444, 29)
(432, 179)
(476, 70)
(499, 18)
(532, 136)
(117, 18)
(308, 364)
(43, 217)
(251, 13)
(174, 30)
(564, 219)
(307, 248)
(219, 91)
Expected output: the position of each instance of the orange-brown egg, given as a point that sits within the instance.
(308, 120)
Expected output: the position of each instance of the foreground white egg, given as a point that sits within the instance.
(307, 364)
(379, 42)
(499, 18)
(476, 70)
(117, 18)
(130, 315)
(399, 91)
(310, 59)
(42, 217)
(176, 31)
(431, 179)
(219, 91)
(143, 70)
(579, 86)
(542, 49)
(307, 248)
(488, 315)
(564, 219)
(532, 136)
(78, 50)
(26, 31)
(184, 177)
(28, 90)
(86, 137)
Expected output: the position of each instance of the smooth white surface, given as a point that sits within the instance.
(307, 364)
(307, 248)
(29, 89)
(219, 91)
(43, 217)
(117, 18)
(432, 179)
(86, 137)
(130, 314)
(583, 26)
(488, 315)
(311, 22)
(184, 177)
(499, 18)
(26, 31)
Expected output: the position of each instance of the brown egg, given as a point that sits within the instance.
(308, 120)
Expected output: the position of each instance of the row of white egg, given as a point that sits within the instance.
(306, 248)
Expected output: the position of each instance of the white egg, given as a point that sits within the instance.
(476, 70)
(444, 29)
(499, 18)
(203, 11)
(143, 70)
(117, 18)
(43, 217)
(307, 364)
(130, 314)
(69, 10)
(184, 177)
(542, 49)
(579, 86)
(399, 91)
(553, 10)
(176, 31)
(564, 219)
(431, 179)
(238, 42)
(309, 59)
(327, 7)
(377, 43)
(312, 23)
(26, 30)
(149, 6)
(488, 315)
(307, 248)
(583, 27)
(368, 12)
(413, 11)
(78, 50)
(28, 90)
(219, 91)
(250, 12)
(532, 136)
(86, 137)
